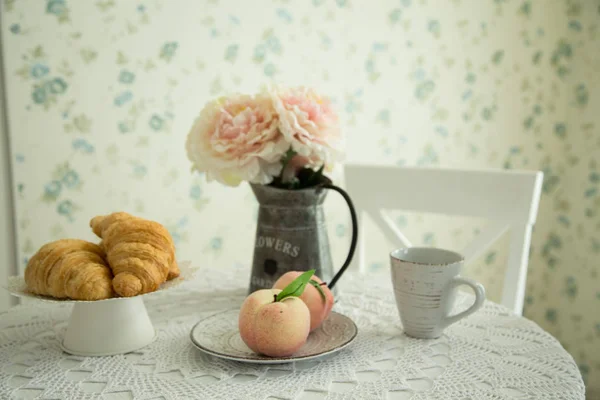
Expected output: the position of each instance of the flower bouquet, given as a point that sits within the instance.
(284, 138)
(280, 140)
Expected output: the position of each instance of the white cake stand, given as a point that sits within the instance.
(105, 327)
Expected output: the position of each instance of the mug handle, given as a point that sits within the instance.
(354, 232)
(479, 299)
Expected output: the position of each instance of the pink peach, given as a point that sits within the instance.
(319, 308)
(273, 328)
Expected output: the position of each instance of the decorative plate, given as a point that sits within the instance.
(17, 286)
(218, 335)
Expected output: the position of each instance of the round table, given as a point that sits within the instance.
(492, 354)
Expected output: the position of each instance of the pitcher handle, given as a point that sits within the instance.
(354, 232)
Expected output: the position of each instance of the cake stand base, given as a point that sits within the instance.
(108, 327)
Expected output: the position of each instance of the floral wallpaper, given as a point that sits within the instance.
(102, 94)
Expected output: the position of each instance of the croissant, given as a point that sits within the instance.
(70, 268)
(140, 252)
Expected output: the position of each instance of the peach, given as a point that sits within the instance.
(274, 328)
(318, 306)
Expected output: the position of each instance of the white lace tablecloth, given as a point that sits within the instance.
(490, 355)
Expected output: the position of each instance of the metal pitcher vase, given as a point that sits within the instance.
(291, 234)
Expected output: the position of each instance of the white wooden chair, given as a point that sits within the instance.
(506, 197)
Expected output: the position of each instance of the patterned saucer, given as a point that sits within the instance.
(218, 335)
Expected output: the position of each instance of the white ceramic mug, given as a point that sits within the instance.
(425, 281)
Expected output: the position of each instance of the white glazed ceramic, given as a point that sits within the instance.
(425, 281)
(108, 328)
(219, 336)
(105, 327)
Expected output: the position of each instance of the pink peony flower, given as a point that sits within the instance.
(309, 124)
(237, 139)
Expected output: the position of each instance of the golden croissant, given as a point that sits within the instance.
(140, 252)
(70, 268)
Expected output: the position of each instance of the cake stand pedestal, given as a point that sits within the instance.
(106, 328)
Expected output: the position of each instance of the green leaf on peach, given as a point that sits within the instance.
(317, 285)
(296, 287)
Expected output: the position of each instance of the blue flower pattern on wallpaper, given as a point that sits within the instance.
(45, 87)
(64, 180)
(98, 121)
(59, 9)
(168, 50)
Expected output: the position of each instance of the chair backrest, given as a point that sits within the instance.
(508, 198)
